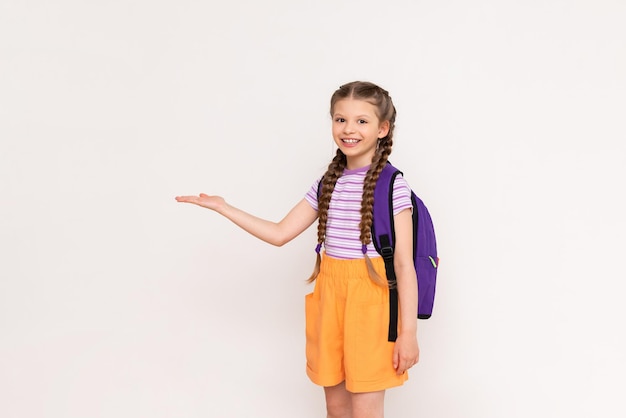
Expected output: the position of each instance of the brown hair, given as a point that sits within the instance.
(385, 111)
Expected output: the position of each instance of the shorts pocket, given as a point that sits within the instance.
(312, 312)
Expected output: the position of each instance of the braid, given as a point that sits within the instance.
(334, 171)
(367, 204)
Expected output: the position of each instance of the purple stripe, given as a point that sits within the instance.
(337, 217)
(358, 181)
(340, 247)
(348, 200)
(340, 228)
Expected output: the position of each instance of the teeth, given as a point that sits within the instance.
(351, 141)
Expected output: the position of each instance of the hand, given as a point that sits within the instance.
(406, 352)
(215, 203)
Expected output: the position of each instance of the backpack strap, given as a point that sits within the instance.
(384, 237)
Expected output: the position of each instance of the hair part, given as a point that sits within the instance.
(385, 111)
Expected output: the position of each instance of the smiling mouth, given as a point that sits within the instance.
(350, 140)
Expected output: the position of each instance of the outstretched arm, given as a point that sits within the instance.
(276, 233)
(406, 350)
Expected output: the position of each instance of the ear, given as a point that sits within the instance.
(383, 129)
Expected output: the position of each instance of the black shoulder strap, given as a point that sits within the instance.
(383, 235)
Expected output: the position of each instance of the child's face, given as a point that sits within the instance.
(356, 130)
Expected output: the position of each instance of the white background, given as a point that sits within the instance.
(116, 301)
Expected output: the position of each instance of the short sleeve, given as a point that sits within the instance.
(401, 195)
(311, 195)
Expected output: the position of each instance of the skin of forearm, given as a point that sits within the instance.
(265, 230)
(407, 297)
(299, 218)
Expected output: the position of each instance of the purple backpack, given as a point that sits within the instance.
(424, 246)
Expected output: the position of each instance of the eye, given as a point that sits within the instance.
(362, 121)
(340, 120)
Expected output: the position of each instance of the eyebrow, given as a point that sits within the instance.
(358, 116)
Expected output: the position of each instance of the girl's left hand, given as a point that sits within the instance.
(406, 352)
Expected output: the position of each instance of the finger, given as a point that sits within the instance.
(396, 359)
(187, 199)
(407, 364)
(402, 369)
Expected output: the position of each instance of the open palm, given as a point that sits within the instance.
(204, 200)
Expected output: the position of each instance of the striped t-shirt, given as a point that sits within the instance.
(344, 213)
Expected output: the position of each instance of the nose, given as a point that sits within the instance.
(349, 127)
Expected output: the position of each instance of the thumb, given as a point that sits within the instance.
(396, 358)
(204, 195)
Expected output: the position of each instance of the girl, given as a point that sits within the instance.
(348, 312)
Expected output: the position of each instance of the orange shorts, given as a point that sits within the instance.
(347, 323)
